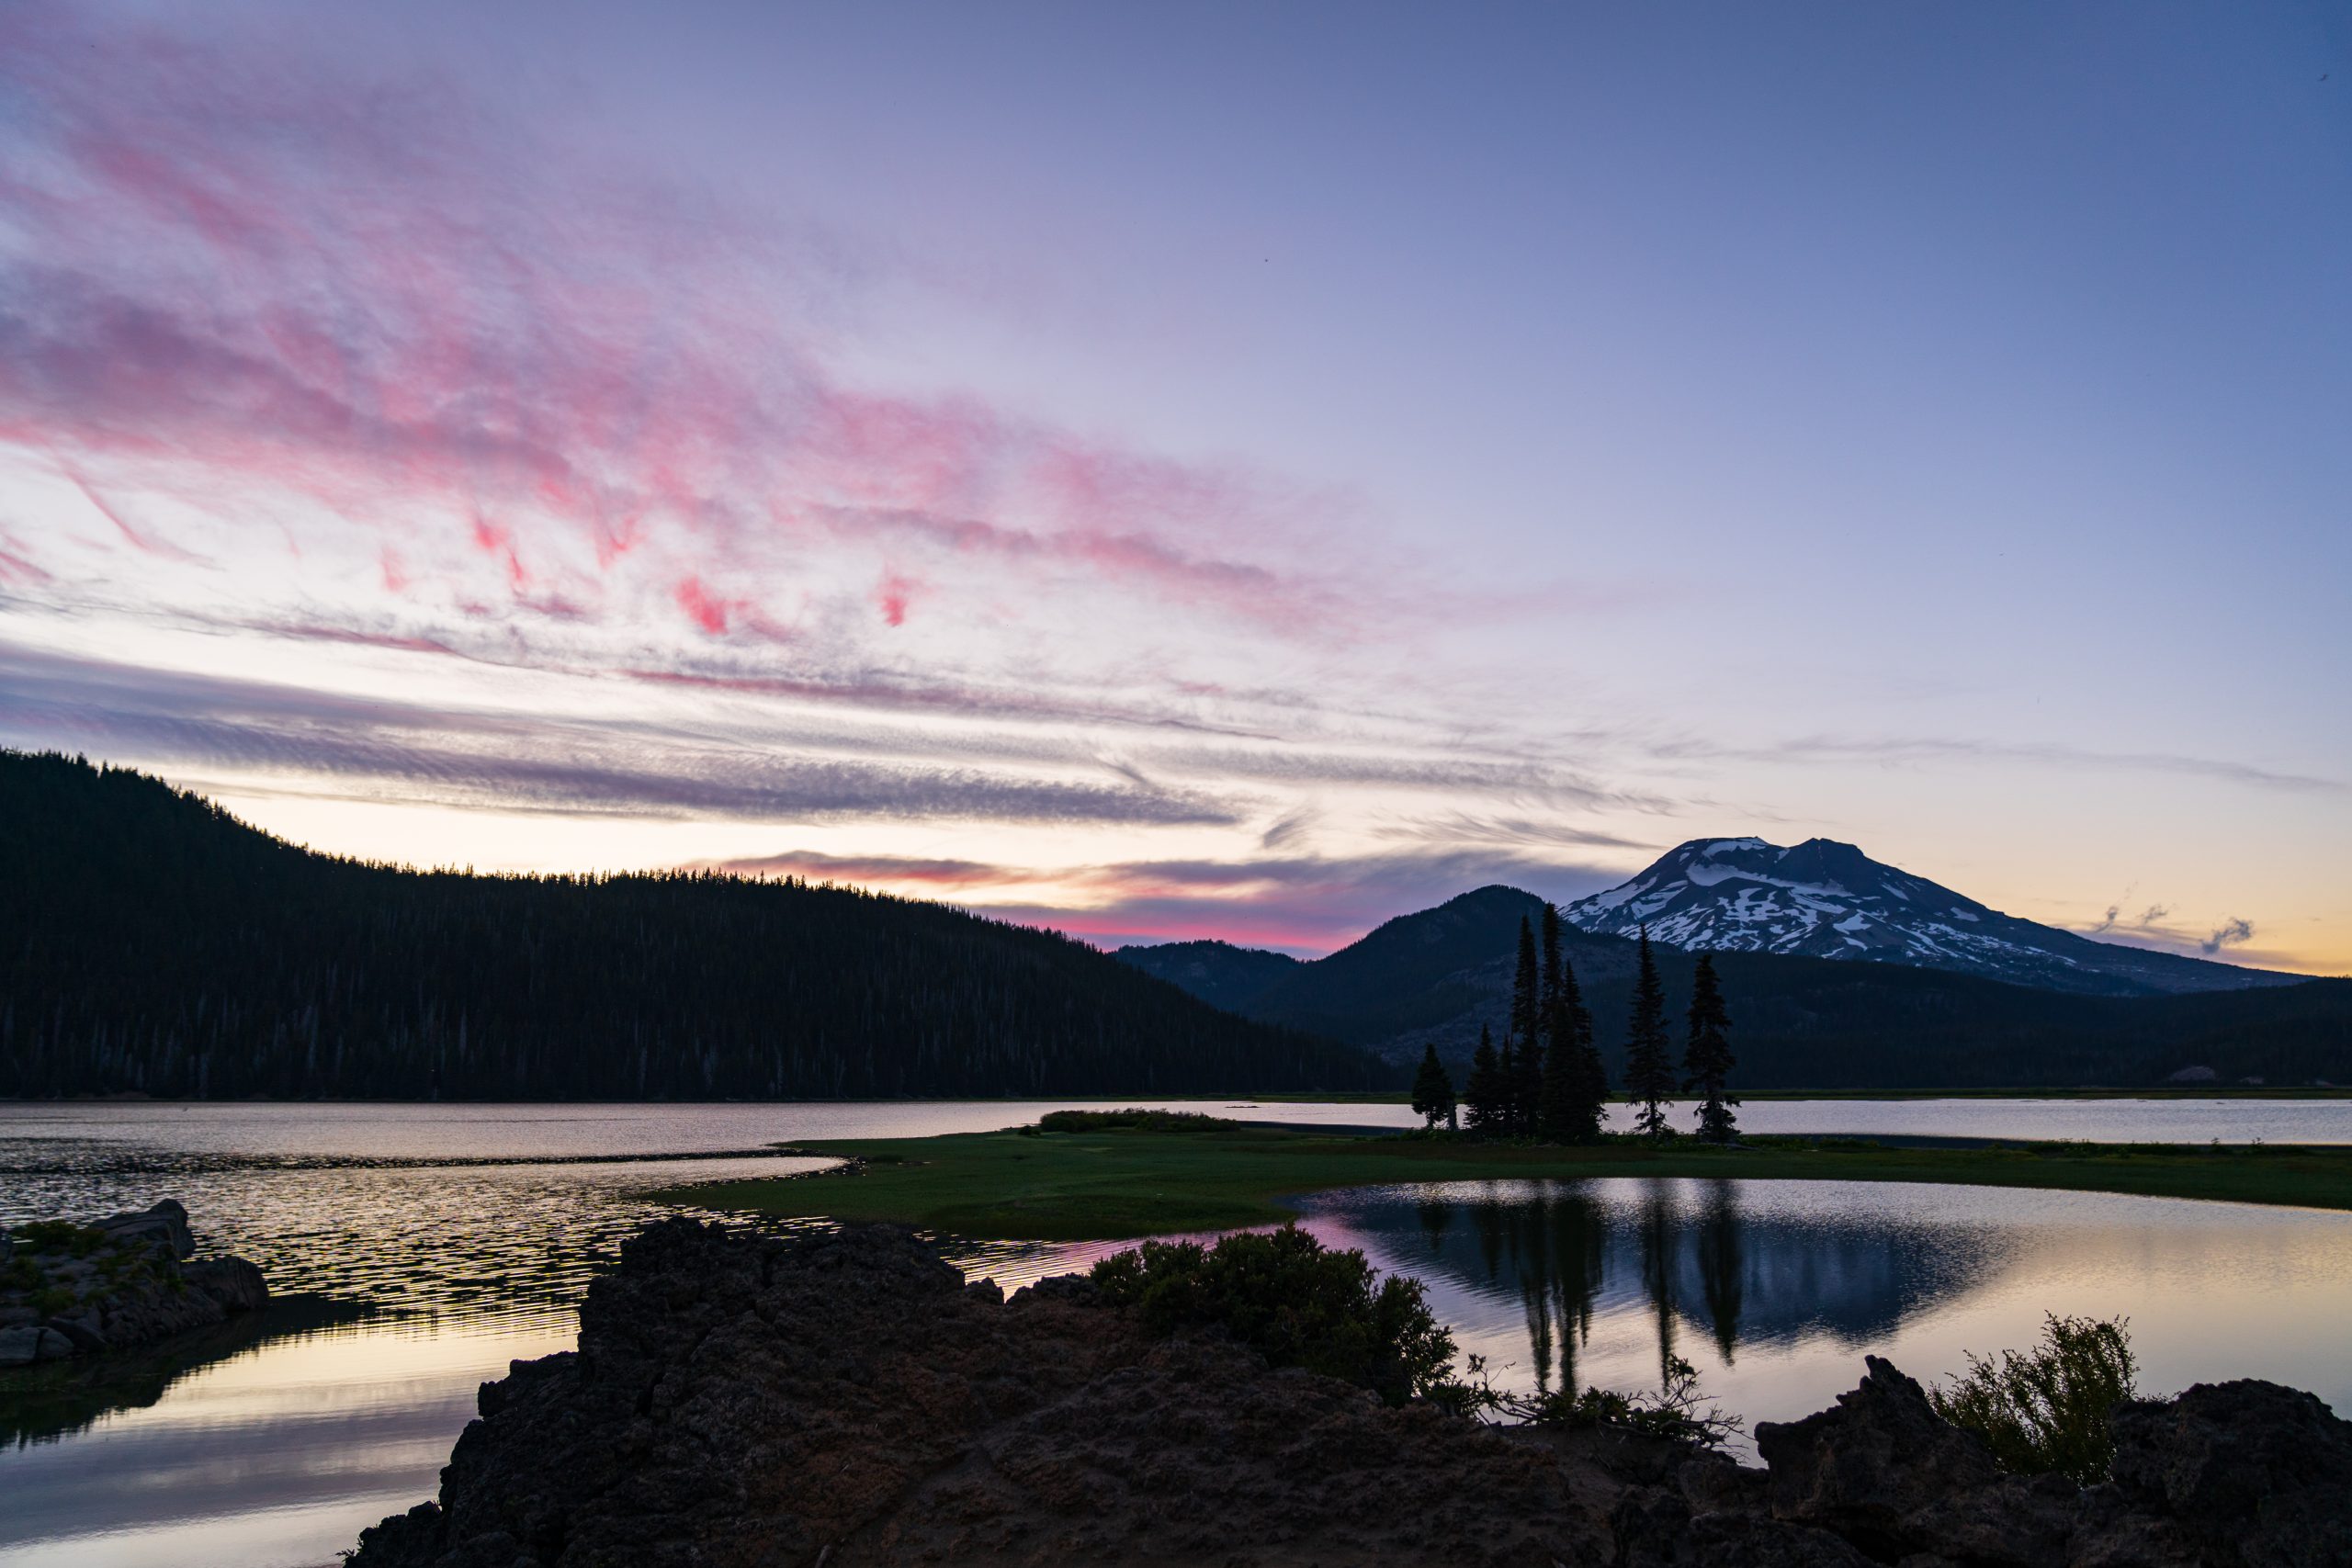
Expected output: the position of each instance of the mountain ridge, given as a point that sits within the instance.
(153, 943)
(1798, 1022)
(1826, 899)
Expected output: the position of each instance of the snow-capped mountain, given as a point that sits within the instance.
(1824, 899)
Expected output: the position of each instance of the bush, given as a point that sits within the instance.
(2046, 1409)
(1295, 1300)
(1139, 1120)
(59, 1235)
(1674, 1412)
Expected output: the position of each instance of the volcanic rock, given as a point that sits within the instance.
(121, 1280)
(846, 1399)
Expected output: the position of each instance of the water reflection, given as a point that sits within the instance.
(1773, 1290)
(45, 1403)
(1689, 1255)
(277, 1450)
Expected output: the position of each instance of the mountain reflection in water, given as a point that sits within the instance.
(464, 1235)
(1696, 1258)
(1774, 1290)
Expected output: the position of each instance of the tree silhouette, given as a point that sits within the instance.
(1649, 1069)
(1482, 1096)
(1524, 1049)
(1570, 1108)
(1432, 1089)
(1706, 1054)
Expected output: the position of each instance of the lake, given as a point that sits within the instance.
(421, 1249)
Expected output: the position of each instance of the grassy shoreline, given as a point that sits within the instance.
(2208, 1091)
(1115, 1184)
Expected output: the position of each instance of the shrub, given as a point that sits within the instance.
(1139, 1120)
(1674, 1412)
(2046, 1409)
(1295, 1300)
(59, 1235)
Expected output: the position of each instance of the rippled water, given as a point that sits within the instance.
(447, 1241)
(1774, 1290)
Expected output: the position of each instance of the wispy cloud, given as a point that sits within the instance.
(1912, 749)
(232, 266)
(2232, 932)
(2150, 922)
(526, 762)
(1303, 904)
(2158, 927)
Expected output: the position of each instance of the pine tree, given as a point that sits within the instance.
(1432, 1089)
(1554, 1097)
(1649, 1065)
(1523, 1049)
(1553, 965)
(1575, 1083)
(1481, 1096)
(1707, 1060)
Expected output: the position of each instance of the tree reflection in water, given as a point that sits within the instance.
(1721, 1280)
(1686, 1254)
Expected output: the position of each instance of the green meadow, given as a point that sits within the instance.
(1113, 1182)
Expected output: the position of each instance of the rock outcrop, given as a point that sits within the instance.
(848, 1399)
(69, 1290)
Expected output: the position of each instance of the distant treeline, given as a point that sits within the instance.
(150, 942)
(1440, 976)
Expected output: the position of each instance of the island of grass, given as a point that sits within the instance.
(1081, 1175)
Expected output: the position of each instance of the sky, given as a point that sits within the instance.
(1224, 471)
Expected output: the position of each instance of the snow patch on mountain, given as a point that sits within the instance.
(1824, 899)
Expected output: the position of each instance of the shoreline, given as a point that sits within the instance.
(1118, 1184)
(1352, 1097)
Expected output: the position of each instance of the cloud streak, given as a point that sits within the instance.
(525, 762)
(235, 269)
(1304, 904)
(1915, 750)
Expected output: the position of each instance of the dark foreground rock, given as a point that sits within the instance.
(69, 1289)
(848, 1399)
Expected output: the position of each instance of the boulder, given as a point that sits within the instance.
(2254, 1473)
(27, 1343)
(163, 1228)
(845, 1399)
(121, 1282)
(848, 1399)
(1870, 1464)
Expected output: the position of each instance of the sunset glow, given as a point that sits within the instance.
(778, 441)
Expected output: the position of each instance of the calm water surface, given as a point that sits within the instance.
(432, 1244)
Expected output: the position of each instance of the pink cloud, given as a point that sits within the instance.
(1299, 903)
(704, 608)
(242, 270)
(891, 596)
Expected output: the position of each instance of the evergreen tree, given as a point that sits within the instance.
(1551, 958)
(1432, 1089)
(1524, 1050)
(1706, 1054)
(1482, 1096)
(1555, 1107)
(1575, 1083)
(1649, 1064)
(1506, 1111)
(1556, 1088)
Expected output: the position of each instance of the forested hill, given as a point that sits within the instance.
(150, 942)
(1435, 978)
